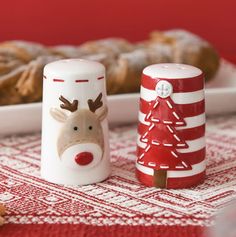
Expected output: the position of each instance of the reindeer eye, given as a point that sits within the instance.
(90, 127)
(75, 128)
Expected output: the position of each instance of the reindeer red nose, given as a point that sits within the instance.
(84, 158)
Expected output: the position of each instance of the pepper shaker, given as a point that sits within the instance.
(171, 130)
(75, 146)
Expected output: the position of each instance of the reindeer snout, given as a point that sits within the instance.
(81, 156)
(84, 158)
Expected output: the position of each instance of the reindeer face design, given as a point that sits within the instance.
(80, 142)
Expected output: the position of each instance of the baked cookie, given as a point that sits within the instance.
(188, 48)
(29, 84)
(22, 50)
(2, 213)
(65, 51)
(16, 58)
(21, 62)
(8, 92)
(110, 46)
(129, 66)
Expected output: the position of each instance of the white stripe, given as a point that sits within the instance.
(145, 134)
(149, 114)
(147, 94)
(178, 98)
(141, 117)
(176, 137)
(179, 145)
(167, 122)
(164, 166)
(167, 144)
(176, 115)
(155, 120)
(196, 169)
(188, 97)
(169, 104)
(147, 148)
(155, 105)
(174, 154)
(170, 129)
(191, 122)
(179, 123)
(142, 155)
(151, 127)
(139, 143)
(194, 145)
(185, 165)
(155, 143)
(195, 121)
(151, 163)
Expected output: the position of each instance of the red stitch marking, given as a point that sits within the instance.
(100, 78)
(44, 77)
(58, 80)
(78, 81)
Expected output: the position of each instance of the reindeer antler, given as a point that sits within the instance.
(94, 105)
(72, 107)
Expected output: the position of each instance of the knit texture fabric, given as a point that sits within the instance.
(119, 206)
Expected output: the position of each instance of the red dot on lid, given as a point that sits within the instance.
(82, 80)
(58, 80)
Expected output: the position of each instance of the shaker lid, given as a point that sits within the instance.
(171, 71)
(79, 68)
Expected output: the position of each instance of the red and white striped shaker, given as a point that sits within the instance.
(75, 146)
(171, 131)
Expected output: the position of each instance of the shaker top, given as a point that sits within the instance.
(74, 68)
(171, 71)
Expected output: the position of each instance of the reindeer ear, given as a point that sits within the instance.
(102, 113)
(58, 115)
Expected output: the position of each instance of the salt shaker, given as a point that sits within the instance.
(75, 146)
(171, 130)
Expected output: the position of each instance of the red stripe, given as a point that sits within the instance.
(185, 110)
(114, 230)
(194, 157)
(185, 134)
(192, 133)
(182, 182)
(78, 81)
(58, 80)
(144, 178)
(100, 78)
(186, 182)
(179, 85)
(190, 158)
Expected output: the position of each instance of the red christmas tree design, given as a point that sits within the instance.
(162, 140)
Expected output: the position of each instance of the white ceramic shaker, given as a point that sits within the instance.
(75, 146)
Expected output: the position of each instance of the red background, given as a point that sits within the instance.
(75, 21)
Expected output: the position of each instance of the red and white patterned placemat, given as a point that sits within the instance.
(119, 206)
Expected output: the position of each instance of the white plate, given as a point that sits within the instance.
(220, 99)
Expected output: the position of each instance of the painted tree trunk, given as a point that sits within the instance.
(160, 178)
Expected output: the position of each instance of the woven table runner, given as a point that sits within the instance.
(119, 206)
